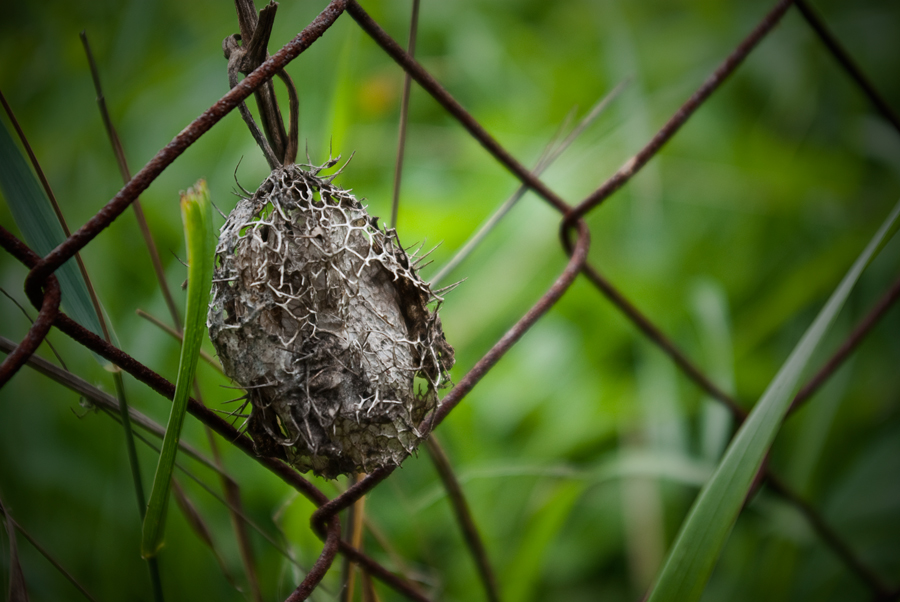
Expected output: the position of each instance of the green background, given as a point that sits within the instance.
(583, 449)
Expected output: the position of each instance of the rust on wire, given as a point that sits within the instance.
(125, 172)
(49, 308)
(165, 388)
(142, 180)
(323, 563)
(652, 332)
(324, 520)
(431, 85)
(684, 112)
(464, 517)
(468, 382)
(838, 545)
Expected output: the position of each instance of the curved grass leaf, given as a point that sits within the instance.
(41, 229)
(196, 211)
(704, 532)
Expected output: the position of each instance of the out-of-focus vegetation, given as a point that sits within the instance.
(582, 450)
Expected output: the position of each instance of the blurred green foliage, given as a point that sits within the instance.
(582, 450)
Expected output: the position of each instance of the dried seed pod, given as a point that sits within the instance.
(322, 317)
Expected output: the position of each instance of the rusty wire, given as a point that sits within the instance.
(43, 289)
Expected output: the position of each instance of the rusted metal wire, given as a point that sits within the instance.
(431, 85)
(843, 57)
(652, 332)
(142, 180)
(464, 517)
(324, 521)
(125, 172)
(49, 308)
(684, 112)
(377, 570)
(317, 572)
(847, 347)
(468, 382)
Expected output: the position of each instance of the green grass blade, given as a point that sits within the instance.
(704, 532)
(41, 229)
(524, 571)
(196, 211)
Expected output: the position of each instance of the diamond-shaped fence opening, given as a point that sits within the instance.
(614, 327)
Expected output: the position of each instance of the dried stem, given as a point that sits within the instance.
(176, 334)
(355, 528)
(234, 61)
(119, 152)
(404, 114)
(13, 526)
(255, 34)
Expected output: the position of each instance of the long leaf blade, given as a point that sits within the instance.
(704, 532)
(38, 223)
(196, 211)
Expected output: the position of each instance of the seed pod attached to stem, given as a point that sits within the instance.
(322, 317)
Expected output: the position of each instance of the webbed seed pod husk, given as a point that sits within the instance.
(320, 315)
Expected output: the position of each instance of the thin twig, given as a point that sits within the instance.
(255, 34)
(175, 334)
(464, 518)
(234, 61)
(29, 318)
(355, 523)
(119, 152)
(13, 524)
(290, 152)
(404, 114)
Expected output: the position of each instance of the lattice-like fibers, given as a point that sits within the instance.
(320, 315)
